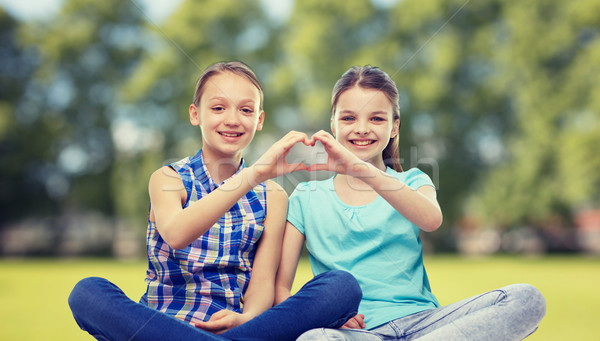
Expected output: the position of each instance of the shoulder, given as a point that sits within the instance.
(277, 201)
(275, 191)
(413, 177)
(312, 185)
(310, 192)
(164, 183)
(164, 174)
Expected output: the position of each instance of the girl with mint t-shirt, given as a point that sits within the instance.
(366, 220)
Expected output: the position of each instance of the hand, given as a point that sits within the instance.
(357, 322)
(222, 321)
(339, 159)
(273, 163)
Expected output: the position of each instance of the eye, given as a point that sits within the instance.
(378, 119)
(218, 108)
(347, 118)
(247, 110)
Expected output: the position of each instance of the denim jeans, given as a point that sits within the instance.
(104, 311)
(509, 313)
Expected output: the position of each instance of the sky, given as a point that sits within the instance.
(155, 10)
(41, 9)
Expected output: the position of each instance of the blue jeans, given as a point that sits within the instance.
(509, 313)
(104, 311)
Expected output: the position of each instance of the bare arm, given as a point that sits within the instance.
(179, 227)
(418, 206)
(293, 241)
(261, 288)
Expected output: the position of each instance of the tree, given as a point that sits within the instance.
(546, 56)
(65, 110)
(19, 179)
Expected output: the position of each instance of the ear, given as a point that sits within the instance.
(261, 121)
(194, 115)
(395, 128)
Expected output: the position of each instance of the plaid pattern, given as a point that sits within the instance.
(212, 273)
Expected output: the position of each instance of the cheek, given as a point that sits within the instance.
(249, 121)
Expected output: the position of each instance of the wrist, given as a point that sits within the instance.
(252, 176)
(363, 170)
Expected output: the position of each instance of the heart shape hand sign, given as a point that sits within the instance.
(273, 163)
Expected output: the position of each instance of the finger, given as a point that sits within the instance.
(360, 318)
(322, 134)
(293, 138)
(211, 325)
(318, 167)
(325, 139)
(294, 167)
(350, 324)
(297, 136)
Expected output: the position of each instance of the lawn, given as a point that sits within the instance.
(33, 293)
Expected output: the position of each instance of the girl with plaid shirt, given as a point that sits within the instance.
(215, 229)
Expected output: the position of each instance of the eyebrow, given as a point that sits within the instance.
(350, 112)
(227, 99)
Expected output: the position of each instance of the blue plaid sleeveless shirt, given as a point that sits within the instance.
(212, 273)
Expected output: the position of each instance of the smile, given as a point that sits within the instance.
(362, 142)
(230, 134)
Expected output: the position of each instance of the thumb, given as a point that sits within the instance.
(318, 167)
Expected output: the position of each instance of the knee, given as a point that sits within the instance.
(530, 299)
(82, 295)
(346, 284)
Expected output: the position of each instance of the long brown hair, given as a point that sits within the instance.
(235, 67)
(371, 77)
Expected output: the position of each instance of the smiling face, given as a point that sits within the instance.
(228, 114)
(363, 122)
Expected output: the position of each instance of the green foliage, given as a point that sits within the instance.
(500, 102)
(550, 165)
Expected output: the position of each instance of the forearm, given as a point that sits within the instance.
(419, 209)
(281, 294)
(258, 300)
(193, 221)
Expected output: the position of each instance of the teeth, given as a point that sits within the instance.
(231, 135)
(362, 143)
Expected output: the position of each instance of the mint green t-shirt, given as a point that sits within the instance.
(374, 242)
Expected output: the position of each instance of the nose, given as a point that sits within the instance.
(231, 118)
(362, 128)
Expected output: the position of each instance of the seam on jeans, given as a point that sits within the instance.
(352, 330)
(501, 297)
(99, 337)
(453, 311)
(399, 332)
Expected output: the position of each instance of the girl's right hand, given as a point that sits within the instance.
(357, 322)
(273, 163)
(339, 159)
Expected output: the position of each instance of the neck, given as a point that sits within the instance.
(221, 167)
(357, 183)
(378, 163)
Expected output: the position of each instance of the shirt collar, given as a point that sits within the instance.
(201, 172)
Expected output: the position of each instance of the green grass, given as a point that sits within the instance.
(33, 293)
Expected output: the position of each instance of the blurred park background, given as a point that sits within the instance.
(500, 105)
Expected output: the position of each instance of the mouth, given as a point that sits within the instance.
(362, 142)
(230, 134)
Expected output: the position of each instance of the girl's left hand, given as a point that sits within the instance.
(222, 321)
(339, 159)
(273, 163)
